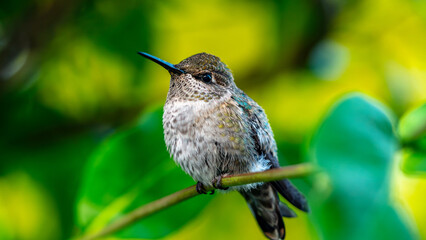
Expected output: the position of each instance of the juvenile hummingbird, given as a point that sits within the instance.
(213, 129)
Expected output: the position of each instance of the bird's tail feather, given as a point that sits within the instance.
(265, 206)
(286, 211)
(290, 192)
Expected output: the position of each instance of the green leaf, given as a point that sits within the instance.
(355, 146)
(413, 124)
(130, 169)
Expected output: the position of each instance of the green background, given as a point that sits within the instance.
(343, 84)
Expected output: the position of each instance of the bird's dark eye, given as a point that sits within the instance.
(205, 77)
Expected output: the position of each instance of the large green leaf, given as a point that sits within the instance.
(130, 169)
(355, 146)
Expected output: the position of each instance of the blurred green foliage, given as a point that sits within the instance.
(412, 130)
(355, 145)
(81, 140)
(135, 169)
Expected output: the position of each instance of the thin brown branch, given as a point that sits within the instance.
(228, 181)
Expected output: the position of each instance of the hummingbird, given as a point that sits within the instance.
(213, 129)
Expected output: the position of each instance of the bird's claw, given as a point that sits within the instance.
(201, 189)
(217, 183)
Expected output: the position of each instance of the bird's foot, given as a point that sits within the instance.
(201, 189)
(217, 183)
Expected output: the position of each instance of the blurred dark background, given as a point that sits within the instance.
(70, 81)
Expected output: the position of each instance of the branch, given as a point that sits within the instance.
(297, 170)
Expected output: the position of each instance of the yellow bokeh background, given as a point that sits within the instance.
(283, 54)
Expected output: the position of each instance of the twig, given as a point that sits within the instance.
(228, 181)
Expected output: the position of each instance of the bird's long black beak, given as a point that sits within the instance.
(170, 67)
